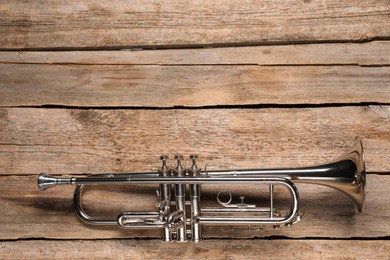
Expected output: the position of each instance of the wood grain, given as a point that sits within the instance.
(74, 141)
(213, 249)
(194, 86)
(374, 53)
(29, 213)
(134, 61)
(118, 23)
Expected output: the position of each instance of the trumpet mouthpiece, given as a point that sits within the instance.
(47, 181)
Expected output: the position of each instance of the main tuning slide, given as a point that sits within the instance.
(179, 212)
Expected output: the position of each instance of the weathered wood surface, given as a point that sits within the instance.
(74, 141)
(30, 213)
(212, 249)
(118, 23)
(168, 86)
(292, 79)
(219, 76)
(374, 53)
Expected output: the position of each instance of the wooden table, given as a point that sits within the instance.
(108, 86)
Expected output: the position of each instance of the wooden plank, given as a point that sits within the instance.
(211, 249)
(168, 86)
(374, 53)
(95, 24)
(327, 213)
(74, 141)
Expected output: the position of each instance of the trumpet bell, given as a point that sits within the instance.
(355, 185)
(346, 174)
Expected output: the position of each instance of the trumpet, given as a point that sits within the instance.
(179, 212)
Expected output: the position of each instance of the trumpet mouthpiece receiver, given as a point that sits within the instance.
(47, 181)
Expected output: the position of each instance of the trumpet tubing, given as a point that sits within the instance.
(180, 217)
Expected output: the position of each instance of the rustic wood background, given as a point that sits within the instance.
(107, 86)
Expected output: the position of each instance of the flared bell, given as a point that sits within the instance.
(357, 188)
(346, 174)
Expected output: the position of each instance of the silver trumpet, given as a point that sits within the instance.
(180, 218)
